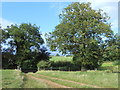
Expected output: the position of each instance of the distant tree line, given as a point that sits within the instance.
(83, 33)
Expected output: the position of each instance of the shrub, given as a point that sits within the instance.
(115, 69)
(117, 62)
(28, 64)
(43, 65)
(64, 66)
(60, 63)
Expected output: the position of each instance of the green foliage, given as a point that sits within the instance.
(117, 62)
(116, 69)
(25, 45)
(60, 58)
(81, 32)
(60, 63)
(8, 59)
(110, 66)
(43, 65)
(111, 69)
(24, 37)
(28, 64)
(112, 49)
(64, 65)
(57, 54)
(107, 63)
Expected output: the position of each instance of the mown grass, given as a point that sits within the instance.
(65, 83)
(11, 79)
(31, 83)
(60, 58)
(101, 79)
(16, 79)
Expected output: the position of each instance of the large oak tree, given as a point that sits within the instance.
(81, 32)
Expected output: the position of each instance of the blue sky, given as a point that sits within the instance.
(45, 14)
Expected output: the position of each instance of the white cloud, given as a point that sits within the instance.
(58, 6)
(4, 23)
(108, 6)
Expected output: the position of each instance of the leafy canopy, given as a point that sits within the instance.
(24, 42)
(81, 32)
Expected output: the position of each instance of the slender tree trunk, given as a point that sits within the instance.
(83, 66)
(38, 69)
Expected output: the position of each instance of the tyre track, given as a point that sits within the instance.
(83, 84)
(52, 84)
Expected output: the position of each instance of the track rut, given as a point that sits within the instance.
(83, 84)
(52, 84)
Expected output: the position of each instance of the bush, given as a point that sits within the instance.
(64, 66)
(28, 64)
(60, 63)
(115, 69)
(42, 65)
(117, 62)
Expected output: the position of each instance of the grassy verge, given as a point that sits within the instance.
(31, 83)
(101, 79)
(16, 79)
(11, 79)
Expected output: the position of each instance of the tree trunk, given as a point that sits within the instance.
(38, 69)
(83, 69)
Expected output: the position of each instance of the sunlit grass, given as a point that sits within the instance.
(11, 79)
(31, 83)
(108, 63)
(60, 58)
(65, 83)
(101, 79)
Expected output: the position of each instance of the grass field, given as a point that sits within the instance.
(16, 79)
(60, 58)
(60, 79)
(31, 83)
(90, 79)
(101, 79)
(11, 79)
